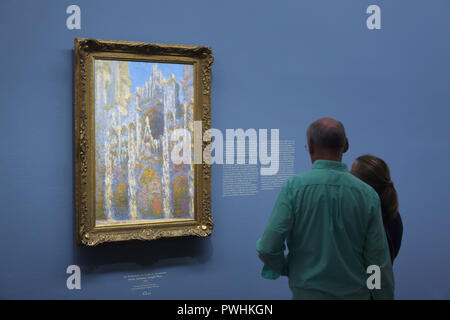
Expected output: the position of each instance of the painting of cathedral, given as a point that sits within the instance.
(138, 105)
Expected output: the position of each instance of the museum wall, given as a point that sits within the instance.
(278, 65)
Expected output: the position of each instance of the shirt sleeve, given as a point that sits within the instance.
(376, 252)
(271, 246)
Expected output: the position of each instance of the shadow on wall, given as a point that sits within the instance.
(131, 255)
(158, 254)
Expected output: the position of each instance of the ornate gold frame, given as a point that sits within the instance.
(86, 51)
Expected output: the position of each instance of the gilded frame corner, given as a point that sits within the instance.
(86, 51)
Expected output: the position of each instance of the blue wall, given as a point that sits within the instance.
(278, 64)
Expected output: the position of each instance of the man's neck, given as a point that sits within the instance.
(326, 156)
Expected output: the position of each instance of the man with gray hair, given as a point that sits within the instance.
(332, 224)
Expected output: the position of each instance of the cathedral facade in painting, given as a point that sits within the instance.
(138, 105)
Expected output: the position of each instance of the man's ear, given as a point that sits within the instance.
(346, 146)
(310, 146)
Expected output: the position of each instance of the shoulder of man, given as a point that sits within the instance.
(294, 184)
(296, 181)
(302, 178)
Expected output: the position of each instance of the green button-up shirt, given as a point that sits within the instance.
(331, 222)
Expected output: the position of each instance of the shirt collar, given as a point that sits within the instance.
(328, 164)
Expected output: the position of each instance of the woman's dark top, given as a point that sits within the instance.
(394, 233)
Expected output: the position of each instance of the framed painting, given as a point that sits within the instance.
(132, 100)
